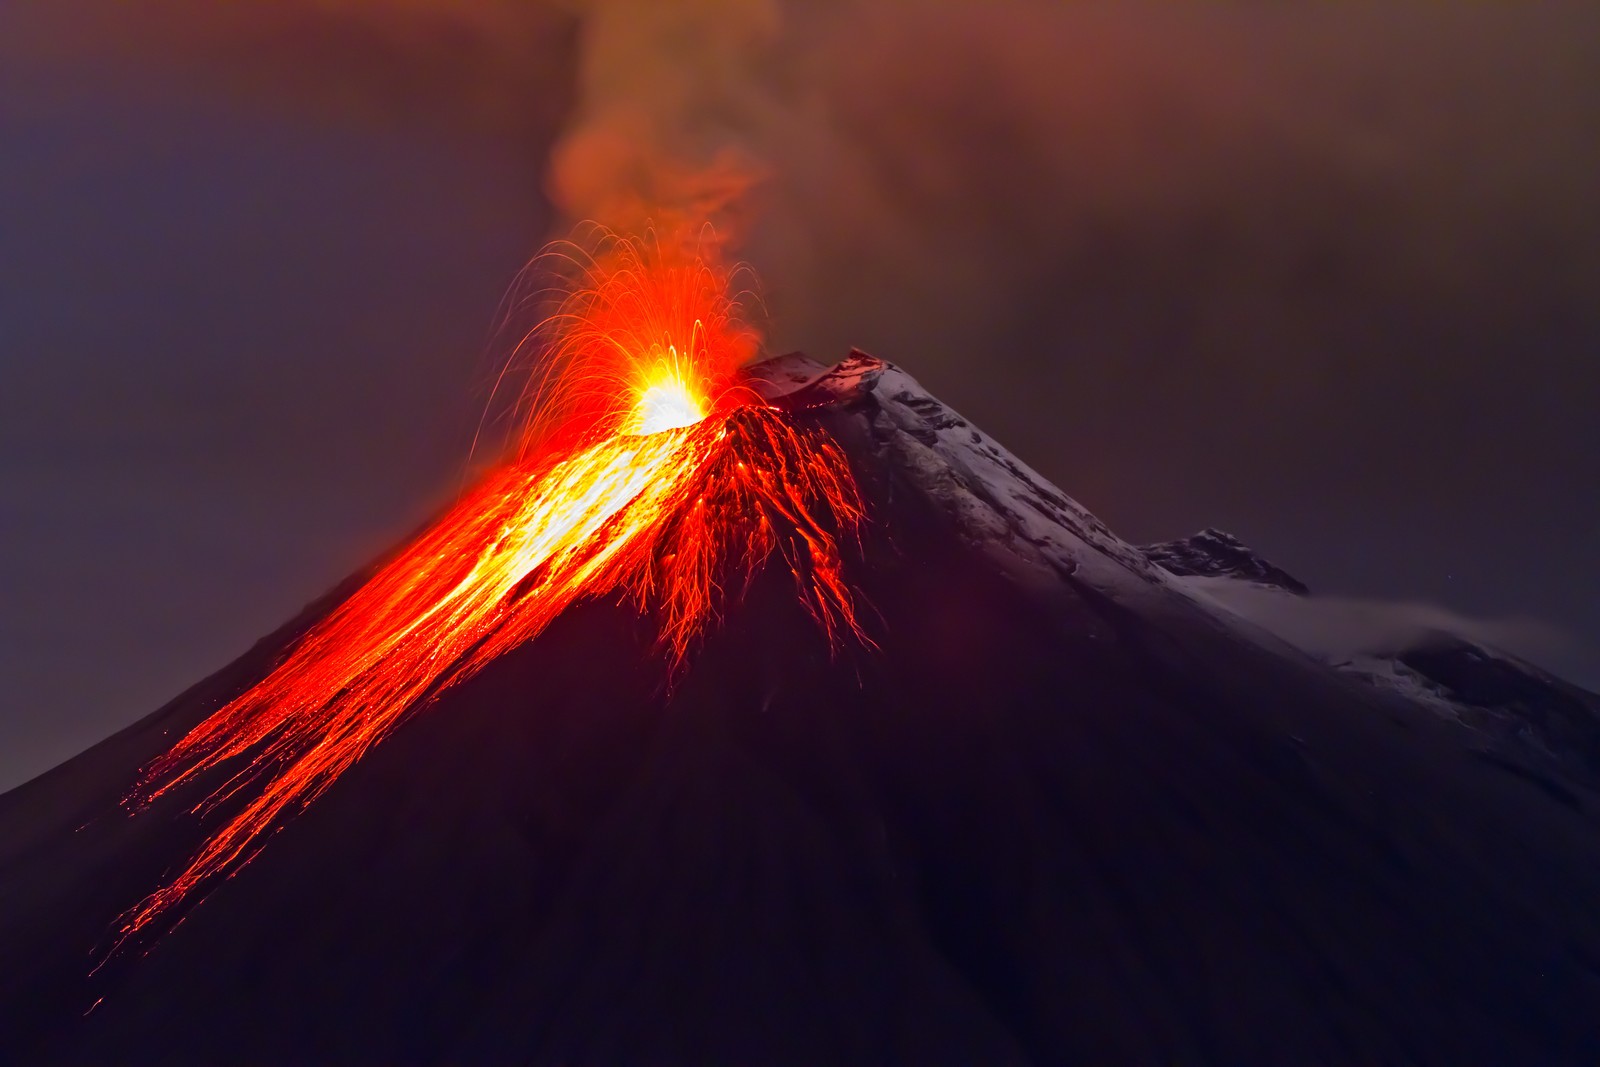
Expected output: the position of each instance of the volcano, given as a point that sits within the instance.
(1051, 806)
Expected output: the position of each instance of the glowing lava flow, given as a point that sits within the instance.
(655, 479)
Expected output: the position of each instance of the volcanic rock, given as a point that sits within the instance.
(1211, 553)
(1059, 810)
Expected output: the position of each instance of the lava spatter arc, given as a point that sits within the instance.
(648, 472)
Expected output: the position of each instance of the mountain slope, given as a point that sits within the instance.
(1510, 710)
(1062, 812)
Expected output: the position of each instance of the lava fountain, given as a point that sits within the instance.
(645, 470)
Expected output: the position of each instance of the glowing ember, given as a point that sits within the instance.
(668, 402)
(647, 472)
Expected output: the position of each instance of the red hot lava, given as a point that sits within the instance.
(649, 473)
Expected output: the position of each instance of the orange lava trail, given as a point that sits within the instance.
(651, 475)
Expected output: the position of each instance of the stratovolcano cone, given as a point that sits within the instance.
(1050, 809)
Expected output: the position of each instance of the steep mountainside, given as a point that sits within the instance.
(1061, 810)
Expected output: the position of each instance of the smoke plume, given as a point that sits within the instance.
(979, 156)
(669, 97)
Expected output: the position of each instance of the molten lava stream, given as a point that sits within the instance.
(676, 481)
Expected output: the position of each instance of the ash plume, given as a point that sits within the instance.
(669, 95)
(1252, 228)
(966, 151)
(660, 116)
(1288, 200)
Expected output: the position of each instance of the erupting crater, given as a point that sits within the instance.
(646, 469)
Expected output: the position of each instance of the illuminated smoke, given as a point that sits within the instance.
(668, 97)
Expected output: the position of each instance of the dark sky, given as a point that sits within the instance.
(1328, 283)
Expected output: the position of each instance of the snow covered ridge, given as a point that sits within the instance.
(998, 501)
(1448, 665)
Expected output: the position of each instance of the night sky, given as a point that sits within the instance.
(1327, 281)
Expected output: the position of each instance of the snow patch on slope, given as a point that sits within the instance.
(1468, 671)
(1000, 502)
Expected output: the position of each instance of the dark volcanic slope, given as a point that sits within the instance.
(1061, 814)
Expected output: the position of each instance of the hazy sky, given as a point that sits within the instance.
(1324, 277)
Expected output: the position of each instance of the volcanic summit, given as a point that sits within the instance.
(1012, 792)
